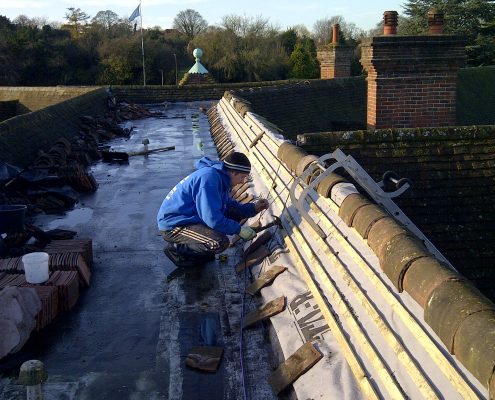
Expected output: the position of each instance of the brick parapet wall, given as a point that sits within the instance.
(412, 80)
(159, 94)
(36, 98)
(335, 61)
(23, 136)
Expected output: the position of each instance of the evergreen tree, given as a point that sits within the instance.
(303, 62)
(472, 19)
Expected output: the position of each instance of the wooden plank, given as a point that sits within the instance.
(296, 365)
(264, 280)
(268, 310)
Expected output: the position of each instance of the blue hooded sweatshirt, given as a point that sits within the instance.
(203, 197)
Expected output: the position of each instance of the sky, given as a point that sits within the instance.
(364, 13)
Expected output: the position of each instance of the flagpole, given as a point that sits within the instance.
(142, 42)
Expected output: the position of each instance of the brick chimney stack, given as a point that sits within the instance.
(390, 19)
(412, 80)
(435, 22)
(334, 58)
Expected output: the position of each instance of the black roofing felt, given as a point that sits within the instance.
(453, 198)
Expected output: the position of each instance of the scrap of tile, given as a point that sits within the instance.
(268, 310)
(260, 240)
(254, 258)
(205, 358)
(296, 365)
(264, 280)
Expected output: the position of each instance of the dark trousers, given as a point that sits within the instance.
(197, 239)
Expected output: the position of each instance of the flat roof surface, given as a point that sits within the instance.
(129, 326)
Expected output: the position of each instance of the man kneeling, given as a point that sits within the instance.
(198, 213)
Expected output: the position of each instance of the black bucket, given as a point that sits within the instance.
(12, 217)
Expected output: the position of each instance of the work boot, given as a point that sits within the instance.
(197, 257)
(179, 260)
(176, 273)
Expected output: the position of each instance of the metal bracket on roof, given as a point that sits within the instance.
(373, 188)
(312, 170)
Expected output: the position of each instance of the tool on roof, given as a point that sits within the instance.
(124, 156)
(276, 222)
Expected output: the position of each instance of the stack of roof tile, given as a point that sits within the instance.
(11, 265)
(71, 262)
(49, 305)
(82, 246)
(12, 280)
(70, 267)
(67, 284)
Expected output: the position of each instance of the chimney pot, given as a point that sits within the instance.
(390, 19)
(335, 33)
(435, 21)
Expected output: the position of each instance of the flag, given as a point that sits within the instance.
(136, 13)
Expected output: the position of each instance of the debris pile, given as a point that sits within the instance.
(53, 183)
(55, 180)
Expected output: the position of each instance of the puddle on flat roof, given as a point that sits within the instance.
(69, 220)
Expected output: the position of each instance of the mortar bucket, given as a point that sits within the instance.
(36, 267)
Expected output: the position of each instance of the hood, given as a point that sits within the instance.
(206, 162)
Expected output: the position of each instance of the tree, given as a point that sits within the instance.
(8, 67)
(469, 18)
(303, 63)
(289, 40)
(301, 30)
(190, 23)
(243, 49)
(106, 19)
(322, 30)
(243, 26)
(36, 22)
(74, 17)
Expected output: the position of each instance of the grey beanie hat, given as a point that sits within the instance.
(236, 161)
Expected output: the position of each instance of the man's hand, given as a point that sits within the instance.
(247, 233)
(261, 204)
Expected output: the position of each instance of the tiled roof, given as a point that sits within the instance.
(453, 198)
(310, 106)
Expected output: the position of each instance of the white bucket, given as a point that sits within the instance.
(36, 267)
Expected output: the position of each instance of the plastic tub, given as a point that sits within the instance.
(12, 217)
(36, 267)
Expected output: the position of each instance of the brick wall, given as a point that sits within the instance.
(335, 61)
(36, 98)
(412, 80)
(23, 136)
